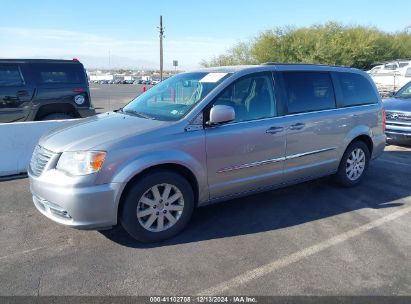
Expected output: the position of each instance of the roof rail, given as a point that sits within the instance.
(39, 60)
(299, 63)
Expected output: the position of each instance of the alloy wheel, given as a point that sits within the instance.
(355, 164)
(160, 207)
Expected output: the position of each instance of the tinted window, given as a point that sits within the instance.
(58, 73)
(405, 91)
(356, 89)
(10, 76)
(251, 97)
(309, 91)
(390, 66)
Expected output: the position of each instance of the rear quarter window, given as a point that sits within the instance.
(59, 73)
(356, 90)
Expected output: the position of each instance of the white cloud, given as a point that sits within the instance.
(93, 50)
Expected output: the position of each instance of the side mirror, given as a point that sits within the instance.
(221, 114)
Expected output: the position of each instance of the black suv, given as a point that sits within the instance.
(43, 89)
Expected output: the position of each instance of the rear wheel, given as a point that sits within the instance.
(354, 164)
(157, 207)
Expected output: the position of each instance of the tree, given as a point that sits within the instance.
(237, 55)
(332, 43)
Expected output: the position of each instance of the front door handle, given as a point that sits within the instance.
(274, 130)
(22, 93)
(297, 126)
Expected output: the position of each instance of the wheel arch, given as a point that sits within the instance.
(362, 133)
(365, 138)
(53, 108)
(174, 167)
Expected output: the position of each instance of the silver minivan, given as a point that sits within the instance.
(207, 136)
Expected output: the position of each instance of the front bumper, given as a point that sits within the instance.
(398, 136)
(398, 132)
(82, 207)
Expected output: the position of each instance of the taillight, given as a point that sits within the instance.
(384, 120)
(78, 90)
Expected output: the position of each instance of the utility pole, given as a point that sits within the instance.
(161, 30)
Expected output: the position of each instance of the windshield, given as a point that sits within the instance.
(404, 92)
(175, 96)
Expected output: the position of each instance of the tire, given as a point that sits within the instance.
(353, 177)
(57, 116)
(141, 206)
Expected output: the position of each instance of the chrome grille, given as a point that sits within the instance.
(399, 116)
(39, 160)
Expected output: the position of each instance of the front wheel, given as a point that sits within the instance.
(354, 164)
(157, 207)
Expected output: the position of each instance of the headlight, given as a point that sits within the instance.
(81, 163)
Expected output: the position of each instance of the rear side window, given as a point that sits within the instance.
(10, 76)
(59, 73)
(309, 91)
(356, 90)
(408, 72)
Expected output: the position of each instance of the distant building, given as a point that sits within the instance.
(101, 77)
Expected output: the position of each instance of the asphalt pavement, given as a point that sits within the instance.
(314, 238)
(109, 97)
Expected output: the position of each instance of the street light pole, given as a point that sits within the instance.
(161, 30)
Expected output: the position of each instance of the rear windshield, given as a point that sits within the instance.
(54, 73)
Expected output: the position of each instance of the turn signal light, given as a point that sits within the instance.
(97, 160)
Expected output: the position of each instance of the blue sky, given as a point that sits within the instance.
(125, 31)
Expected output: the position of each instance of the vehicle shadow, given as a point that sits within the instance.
(287, 207)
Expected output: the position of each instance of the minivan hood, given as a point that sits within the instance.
(87, 133)
(397, 104)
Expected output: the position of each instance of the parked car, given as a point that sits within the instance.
(375, 69)
(398, 109)
(390, 67)
(34, 89)
(207, 136)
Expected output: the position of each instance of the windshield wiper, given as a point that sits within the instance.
(139, 114)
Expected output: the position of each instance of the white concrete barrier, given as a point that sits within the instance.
(17, 142)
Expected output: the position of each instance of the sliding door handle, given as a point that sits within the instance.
(274, 130)
(297, 126)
